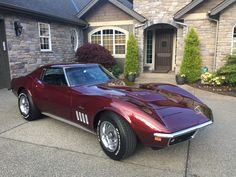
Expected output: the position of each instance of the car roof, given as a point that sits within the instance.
(70, 65)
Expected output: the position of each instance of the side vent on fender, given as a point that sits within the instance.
(82, 117)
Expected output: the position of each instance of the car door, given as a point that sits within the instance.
(53, 94)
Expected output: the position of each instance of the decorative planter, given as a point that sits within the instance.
(131, 78)
(180, 80)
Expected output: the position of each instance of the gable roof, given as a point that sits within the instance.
(80, 4)
(215, 11)
(124, 5)
(61, 10)
(221, 7)
(186, 9)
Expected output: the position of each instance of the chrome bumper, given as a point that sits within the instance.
(182, 132)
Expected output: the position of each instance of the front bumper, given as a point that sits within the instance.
(183, 135)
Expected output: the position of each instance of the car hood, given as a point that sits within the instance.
(170, 105)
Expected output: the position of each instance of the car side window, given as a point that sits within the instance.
(54, 76)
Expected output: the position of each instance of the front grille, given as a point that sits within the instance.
(181, 138)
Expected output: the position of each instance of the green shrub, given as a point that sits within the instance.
(231, 59)
(227, 69)
(191, 64)
(229, 72)
(115, 70)
(132, 56)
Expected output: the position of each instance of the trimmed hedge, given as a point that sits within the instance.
(191, 64)
(94, 53)
(132, 56)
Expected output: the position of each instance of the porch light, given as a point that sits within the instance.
(18, 28)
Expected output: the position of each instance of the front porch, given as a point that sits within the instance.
(157, 78)
(160, 48)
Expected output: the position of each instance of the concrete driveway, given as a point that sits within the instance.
(47, 147)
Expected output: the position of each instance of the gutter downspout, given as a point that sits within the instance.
(216, 43)
(139, 26)
(182, 24)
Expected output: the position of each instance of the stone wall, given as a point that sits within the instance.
(156, 12)
(181, 32)
(206, 31)
(159, 10)
(227, 22)
(24, 51)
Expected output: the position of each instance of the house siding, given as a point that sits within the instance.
(105, 12)
(24, 51)
(108, 15)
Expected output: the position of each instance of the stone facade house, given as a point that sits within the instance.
(33, 33)
(160, 27)
(161, 38)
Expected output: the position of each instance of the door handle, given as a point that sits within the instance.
(4, 46)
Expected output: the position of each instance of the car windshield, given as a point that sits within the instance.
(87, 75)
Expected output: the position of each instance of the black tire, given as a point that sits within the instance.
(33, 113)
(127, 140)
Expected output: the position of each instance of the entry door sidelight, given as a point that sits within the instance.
(4, 63)
(164, 50)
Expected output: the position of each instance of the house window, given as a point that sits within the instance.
(112, 39)
(234, 42)
(149, 47)
(45, 37)
(74, 39)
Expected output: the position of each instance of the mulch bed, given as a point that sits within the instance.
(224, 90)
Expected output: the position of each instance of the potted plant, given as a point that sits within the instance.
(131, 76)
(180, 79)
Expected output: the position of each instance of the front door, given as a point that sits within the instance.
(4, 63)
(164, 47)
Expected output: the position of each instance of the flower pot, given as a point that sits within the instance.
(180, 80)
(131, 78)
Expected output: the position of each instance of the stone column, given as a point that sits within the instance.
(139, 34)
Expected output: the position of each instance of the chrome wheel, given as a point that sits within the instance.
(109, 136)
(24, 104)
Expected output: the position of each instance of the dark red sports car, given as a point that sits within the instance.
(88, 96)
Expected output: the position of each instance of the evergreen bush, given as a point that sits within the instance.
(94, 53)
(191, 64)
(132, 57)
(229, 70)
